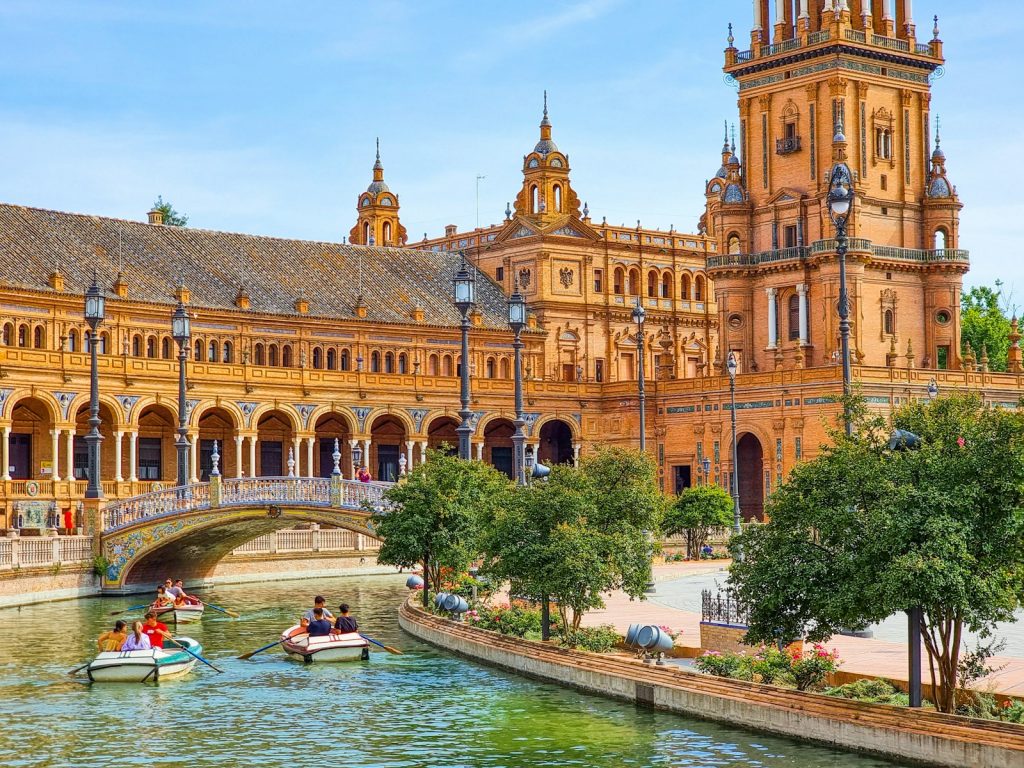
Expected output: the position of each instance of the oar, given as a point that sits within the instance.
(133, 608)
(250, 654)
(190, 652)
(232, 614)
(76, 670)
(387, 648)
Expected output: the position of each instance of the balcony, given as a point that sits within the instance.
(854, 245)
(787, 146)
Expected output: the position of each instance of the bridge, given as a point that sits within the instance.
(185, 531)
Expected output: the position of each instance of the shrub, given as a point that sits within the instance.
(516, 620)
(597, 639)
(723, 665)
(809, 669)
(1012, 711)
(770, 664)
(876, 691)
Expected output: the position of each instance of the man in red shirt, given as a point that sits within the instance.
(155, 630)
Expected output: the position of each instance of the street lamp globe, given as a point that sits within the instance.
(706, 464)
(95, 304)
(639, 314)
(357, 456)
(464, 287)
(181, 325)
(731, 364)
(516, 311)
(933, 390)
(840, 195)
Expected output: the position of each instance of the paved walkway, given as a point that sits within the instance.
(866, 656)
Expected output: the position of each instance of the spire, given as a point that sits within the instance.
(731, 39)
(733, 138)
(935, 29)
(839, 140)
(725, 140)
(378, 167)
(545, 145)
(545, 121)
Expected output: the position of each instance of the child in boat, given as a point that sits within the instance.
(113, 639)
(137, 640)
(179, 587)
(162, 598)
(345, 623)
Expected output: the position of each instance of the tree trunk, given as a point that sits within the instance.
(426, 582)
(942, 642)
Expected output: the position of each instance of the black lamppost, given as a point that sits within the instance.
(517, 321)
(638, 317)
(706, 464)
(94, 312)
(731, 366)
(181, 330)
(840, 201)
(464, 288)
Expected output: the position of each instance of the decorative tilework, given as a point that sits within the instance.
(681, 408)
(778, 449)
(190, 405)
(127, 403)
(813, 130)
(820, 400)
(799, 449)
(4, 394)
(418, 415)
(718, 455)
(247, 408)
(529, 420)
(906, 145)
(361, 414)
(305, 410)
(65, 398)
(749, 406)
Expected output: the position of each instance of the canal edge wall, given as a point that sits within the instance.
(926, 737)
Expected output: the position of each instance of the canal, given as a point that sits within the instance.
(424, 708)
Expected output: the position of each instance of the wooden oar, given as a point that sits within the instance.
(250, 654)
(387, 648)
(192, 653)
(76, 670)
(232, 614)
(133, 608)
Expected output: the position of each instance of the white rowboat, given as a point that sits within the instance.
(150, 665)
(329, 648)
(180, 614)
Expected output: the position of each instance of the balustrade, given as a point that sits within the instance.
(43, 551)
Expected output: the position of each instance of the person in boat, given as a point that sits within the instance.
(163, 599)
(319, 602)
(302, 629)
(345, 623)
(113, 639)
(155, 630)
(179, 585)
(137, 640)
(319, 626)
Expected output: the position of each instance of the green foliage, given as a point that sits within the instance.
(770, 664)
(171, 217)
(808, 669)
(873, 691)
(514, 619)
(436, 513)
(695, 512)
(582, 532)
(596, 639)
(734, 665)
(100, 565)
(984, 324)
(803, 670)
(861, 532)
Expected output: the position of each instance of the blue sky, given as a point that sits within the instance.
(255, 117)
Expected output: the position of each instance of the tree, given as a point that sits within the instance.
(695, 512)
(435, 515)
(984, 324)
(171, 217)
(862, 532)
(582, 532)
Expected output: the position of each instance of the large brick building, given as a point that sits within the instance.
(299, 343)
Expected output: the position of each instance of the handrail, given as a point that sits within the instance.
(828, 245)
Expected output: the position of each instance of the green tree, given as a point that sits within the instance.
(862, 532)
(171, 217)
(984, 324)
(582, 532)
(695, 512)
(435, 513)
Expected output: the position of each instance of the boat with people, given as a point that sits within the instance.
(349, 646)
(146, 665)
(183, 613)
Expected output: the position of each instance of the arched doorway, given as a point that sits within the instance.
(555, 443)
(31, 445)
(441, 433)
(217, 424)
(275, 437)
(498, 449)
(331, 427)
(751, 478)
(155, 456)
(387, 437)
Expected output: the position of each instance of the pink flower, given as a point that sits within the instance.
(961, 442)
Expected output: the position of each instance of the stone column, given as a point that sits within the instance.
(773, 318)
(423, 451)
(366, 456)
(480, 451)
(117, 456)
(133, 462)
(252, 455)
(310, 442)
(5, 454)
(297, 448)
(575, 454)
(193, 458)
(408, 455)
(866, 21)
(757, 14)
(801, 290)
(239, 462)
(54, 454)
(71, 453)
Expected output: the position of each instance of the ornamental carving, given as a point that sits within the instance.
(525, 277)
(565, 277)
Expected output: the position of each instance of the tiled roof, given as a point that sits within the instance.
(214, 265)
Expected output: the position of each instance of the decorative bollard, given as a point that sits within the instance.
(414, 582)
(455, 604)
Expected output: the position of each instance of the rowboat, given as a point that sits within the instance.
(181, 614)
(330, 648)
(151, 664)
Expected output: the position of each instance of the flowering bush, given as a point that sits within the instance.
(809, 668)
(770, 664)
(733, 665)
(802, 669)
(597, 639)
(508, 619)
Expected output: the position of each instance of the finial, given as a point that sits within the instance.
(377, 165)
(839, 136)
(586, 210)
(733, 148)
(935, 29)
(291, 462)
(725, 136)
(545, 120)
(215, 460)
(731, 38)
(938, 138)
(336, 457)
(508, 211)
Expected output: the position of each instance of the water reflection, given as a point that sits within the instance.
(424, 708)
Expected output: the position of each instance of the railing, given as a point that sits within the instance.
(722, 609)
(744, 56)
(923, 48)
(754, 259)
(891, 43)
(918, 254)
(787, 146)
(855, 35)
(25, 552)
(307, 491)
(852, 244)
(819, 37)
(310, 540)
(785, 45)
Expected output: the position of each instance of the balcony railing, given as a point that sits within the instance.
(920, 254)
(785, 45)
(854, 244)
(44, 551)
(856, 35)
(787, 146)
(755, 259)
(863, 37)
(892, 43)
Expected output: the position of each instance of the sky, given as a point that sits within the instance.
(260, 117)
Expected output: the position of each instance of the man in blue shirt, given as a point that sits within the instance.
(319, 626)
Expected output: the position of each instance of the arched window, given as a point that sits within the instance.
(272, 355)
(534, 200)
(619, 283)
(22, 335)
(684, 286)
(38, 340)
(890, 322)
(793, 313)
(72, 340)
(698, 288)
(151, 346)
(211, 353)
(86, 339)
(403, 363)
(666, 285)
(200, 347)
(389, 362)
(165, 348)
(490, 368)
(332, 360)
(259, 355)
(228, 350)
(375, 362)
(286, 356)
(104, 343)
(346, 360)
(8, 333)
(432, 365)
(733, 243)
(447, 366)
(136, 346)
(504, 369)
(318, 357)
(634, 282)
(557, 193)
(386, 233)
(652, 284)
(939, 241)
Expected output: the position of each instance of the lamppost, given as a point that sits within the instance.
(638, 317)
(517, 321)
(706, 464)
(731, 366)
(464, 289)
(94, 312)
(357, 461)
(181, 330)
(840, 201)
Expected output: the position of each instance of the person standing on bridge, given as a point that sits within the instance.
(364, 476)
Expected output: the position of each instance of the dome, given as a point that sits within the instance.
(545, 147)
(722, 173)
(376, 187)
(733, 194)
(734, 161)
(938, 154)
(939, 188)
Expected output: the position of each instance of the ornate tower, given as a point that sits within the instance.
(547, 194)
(378, 222)
(814, 65)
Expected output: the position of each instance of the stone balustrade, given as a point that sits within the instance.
(44, 551)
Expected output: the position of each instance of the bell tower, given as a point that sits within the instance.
(546, 194)
(818, 71)
(378, 222)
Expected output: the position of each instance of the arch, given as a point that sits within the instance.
(328, 426)
(534, 199)
(238, 422)
(220, 424)
(389, 362)
(940, 238)
(556, 193)
(261, 410)
(156, 459)
(23, 335)
(287, 356)
(104, 343)
(504, 369)
(32, 417)
(49, 404)
(666, 285)
(498, 447)
(332, 359)
(212, 350)
(259, 354)
(555, 438)
(73, 345)
(275, 436)
(111, 411)
(198, 351)
(699, 288)
(137, 345)
(80, 450)
(750, 455)
(165, 348)
(38, 337)
(388, 433)
(228, 351)
(685, 285)
(634, 282)
(489, 368)
(403, 362)
(652, 283)
(733, 243)
(432, 365)
(447, 366)
(273, 355)
(889, 322)
(386, 233)
(8, 334)
(366, 228)
(148, 401)
(441, 431)
(318, 357)
(346, 360)
(375, 362)
(619, 281)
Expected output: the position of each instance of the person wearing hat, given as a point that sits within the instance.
(319, 602)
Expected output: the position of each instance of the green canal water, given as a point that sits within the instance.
(423, 709)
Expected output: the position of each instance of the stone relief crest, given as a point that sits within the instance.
(524, 277)
(361, 414)
(418, 415)
(304, 410)
(565, 276)
(65, 398)
(247, 408)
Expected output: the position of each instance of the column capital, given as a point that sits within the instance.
(801, 288)
(772, 292)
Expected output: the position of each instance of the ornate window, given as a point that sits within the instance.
(386, 233)
(318, 357)
(790, 141)
(733, 243)
(883, 124)
(403, 363)
(534, 200)
(652, 284)
(286, 356)
(666, 285)
(389, 362)
(228, 350)
(432, 368)
(939, 240)
(200, 349)
(37, 337)
(272, 355)
(618, 284)
(634, 282)
(887, 302)
(346, 360)
(332, 360)
(684, 286)
(793, 312)
(259, 355)
(699, 288)
(557, 194)
(375, 362)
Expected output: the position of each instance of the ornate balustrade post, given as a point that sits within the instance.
(337, 481)
(93, 513)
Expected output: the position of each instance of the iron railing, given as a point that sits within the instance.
(722, 608)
